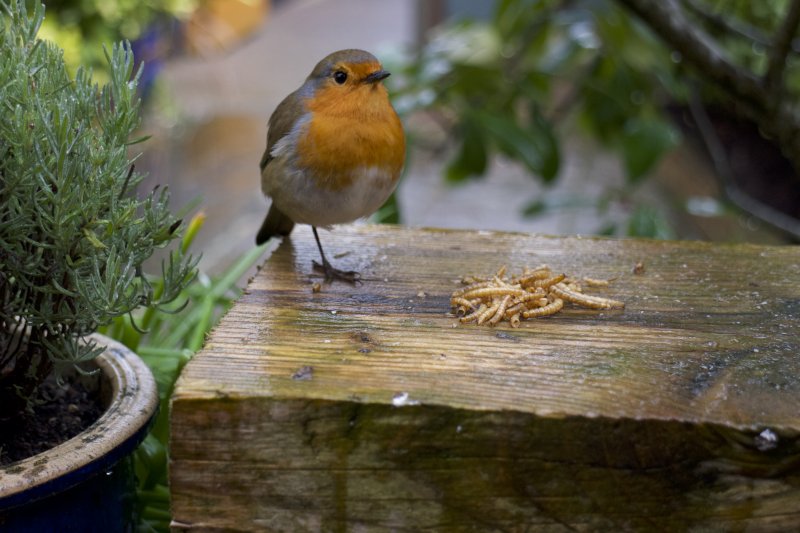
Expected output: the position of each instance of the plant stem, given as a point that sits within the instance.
(781, 46)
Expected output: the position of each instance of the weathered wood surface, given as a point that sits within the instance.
(370, 408)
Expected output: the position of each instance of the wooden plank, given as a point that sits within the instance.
(371, 406)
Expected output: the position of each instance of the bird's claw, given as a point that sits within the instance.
(332, 273)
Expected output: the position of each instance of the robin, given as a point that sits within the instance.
(335, 150)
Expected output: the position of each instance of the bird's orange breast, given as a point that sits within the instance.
(349, 132)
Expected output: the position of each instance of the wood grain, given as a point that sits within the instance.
(372, 406)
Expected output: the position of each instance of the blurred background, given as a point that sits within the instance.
(667, 119)
(558, 117)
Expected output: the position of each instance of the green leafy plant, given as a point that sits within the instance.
(82, 26)
(742, 54)
(73, 233)
(516, 84)
(170, 337)
(742, 82)
(519, 83)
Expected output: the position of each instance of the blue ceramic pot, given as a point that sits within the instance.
(87, 484)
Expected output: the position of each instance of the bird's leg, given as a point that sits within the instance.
(331, 273)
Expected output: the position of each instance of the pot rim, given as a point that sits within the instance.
(113, 436)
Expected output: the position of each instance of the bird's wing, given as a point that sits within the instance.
(281, 123)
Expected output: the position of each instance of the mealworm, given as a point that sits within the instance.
(458, 301)
(584, 300)
(473, 315)
(516, 309)
(490, 311)
(473, 286)
(501, 311)
(531, 277)
(491, 292)
(592, 282)
(535, 295)
(549, 309)
(549, 282)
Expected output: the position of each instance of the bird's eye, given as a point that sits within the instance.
(339, 77)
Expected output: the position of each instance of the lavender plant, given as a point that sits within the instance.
(73, 232)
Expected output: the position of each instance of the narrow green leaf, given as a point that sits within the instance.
(389, 213)
(63, 290)
(92, 237)
(138, 140)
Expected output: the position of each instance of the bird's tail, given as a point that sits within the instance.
(276, 223)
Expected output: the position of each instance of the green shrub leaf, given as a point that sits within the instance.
(472, 158)
(534, 146)
(644, 143)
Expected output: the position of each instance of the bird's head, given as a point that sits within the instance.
(348, 74)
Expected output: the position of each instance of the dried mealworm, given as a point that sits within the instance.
(549, 282)
(530, 277)
(593, 282)
(491, 292)
(528, 270)
(459, 301)
(473, 286)
(473, 315)
(500, 283)
(515, 309)
(534, 295)
(490, 311)
(549, 309)
(584, 300)
(514, 320)
(501, 311)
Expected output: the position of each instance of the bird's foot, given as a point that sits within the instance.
(332, 273)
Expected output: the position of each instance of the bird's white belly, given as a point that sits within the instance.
(300, 197)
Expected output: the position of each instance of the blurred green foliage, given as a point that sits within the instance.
(520, 83)
(745, 29)
(505, 85)
(166, 339)
(81, 27)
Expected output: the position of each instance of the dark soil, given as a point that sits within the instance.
(60, 412)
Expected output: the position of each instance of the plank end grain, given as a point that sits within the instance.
(371, 406)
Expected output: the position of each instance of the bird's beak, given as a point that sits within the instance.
(377, 76)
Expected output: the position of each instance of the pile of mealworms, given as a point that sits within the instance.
(535, 293)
